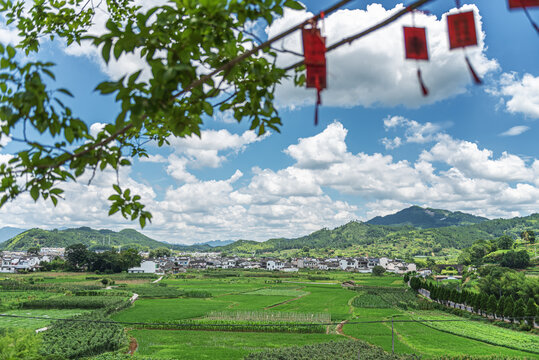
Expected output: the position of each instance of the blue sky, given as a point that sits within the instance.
(380, 146)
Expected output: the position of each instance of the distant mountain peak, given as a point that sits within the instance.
(427, 218)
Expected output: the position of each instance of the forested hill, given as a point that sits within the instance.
(94, 239)
(427, 218)
(378, 240)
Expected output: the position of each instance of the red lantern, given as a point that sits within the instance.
(415, 46)
(461, 28)
(514, 4)
(462, 33)
(314, 51)
(415, 43)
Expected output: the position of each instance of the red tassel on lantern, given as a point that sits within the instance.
(314, 51)
(415, 45)
(462, 33)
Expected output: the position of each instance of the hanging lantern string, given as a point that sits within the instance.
(366, 32)
(534, 24)
(424, 89)
(229, 65)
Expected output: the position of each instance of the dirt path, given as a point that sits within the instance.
(156, 281)
(287, 301)
(133, 346)
(340, 332)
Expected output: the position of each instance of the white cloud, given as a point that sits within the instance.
(295, 200)
(474, 162)
(153, 159)
(4, 139)
(177, 168)
(523, 93)
(9, 36)
(372, 70)
(205, 151)
(414, 131)
(321, 150)
(516, 130)
(96, 128)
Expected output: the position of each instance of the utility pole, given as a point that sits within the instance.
(392, 337)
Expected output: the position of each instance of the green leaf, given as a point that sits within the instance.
(105, 52)
(208, 108)
(293, 5)
(11, 52)
(34, 193)
(117, 188)
(65, 91)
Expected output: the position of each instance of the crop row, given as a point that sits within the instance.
(239, 326)
(69, 339)
(343, 350)
(384, 297)
(74, 302)
(270, 316)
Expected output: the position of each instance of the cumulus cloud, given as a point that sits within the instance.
(205, 151)
(372, 71)
(414, 131)
(294, 200)
(516, 130)
(523, 93)
(153, 159)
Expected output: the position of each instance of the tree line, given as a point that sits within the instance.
(504, 307)
(79, 258)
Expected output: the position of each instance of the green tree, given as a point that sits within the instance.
(172, 102)
(528, 236)
(378, 270)
(130, 258)
(415, 283)
(77, 256)
(406, 278)
(484, 303)
(519, 311)
(160, 252)
(508, 308)
(34, 250)
(492, 305)
(531, 309)
(501, 306)
(505, 242)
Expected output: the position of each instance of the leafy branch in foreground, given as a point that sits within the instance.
(178, 42)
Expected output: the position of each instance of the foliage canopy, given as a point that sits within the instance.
(178, 41)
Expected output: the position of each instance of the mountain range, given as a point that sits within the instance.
(427, 218)
(8, 232)
(409, 232)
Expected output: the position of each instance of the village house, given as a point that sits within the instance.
(146, 267)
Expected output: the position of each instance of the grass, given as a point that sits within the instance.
(322, 298)
(419, 339)
(24, 323)
(166, 344)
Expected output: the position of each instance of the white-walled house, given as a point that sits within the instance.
(274, 265)
(146, 267)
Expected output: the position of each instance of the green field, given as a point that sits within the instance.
(249, 299)
(23, 323)
(170, 344)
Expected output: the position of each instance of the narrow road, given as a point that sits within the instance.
(156, 281)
